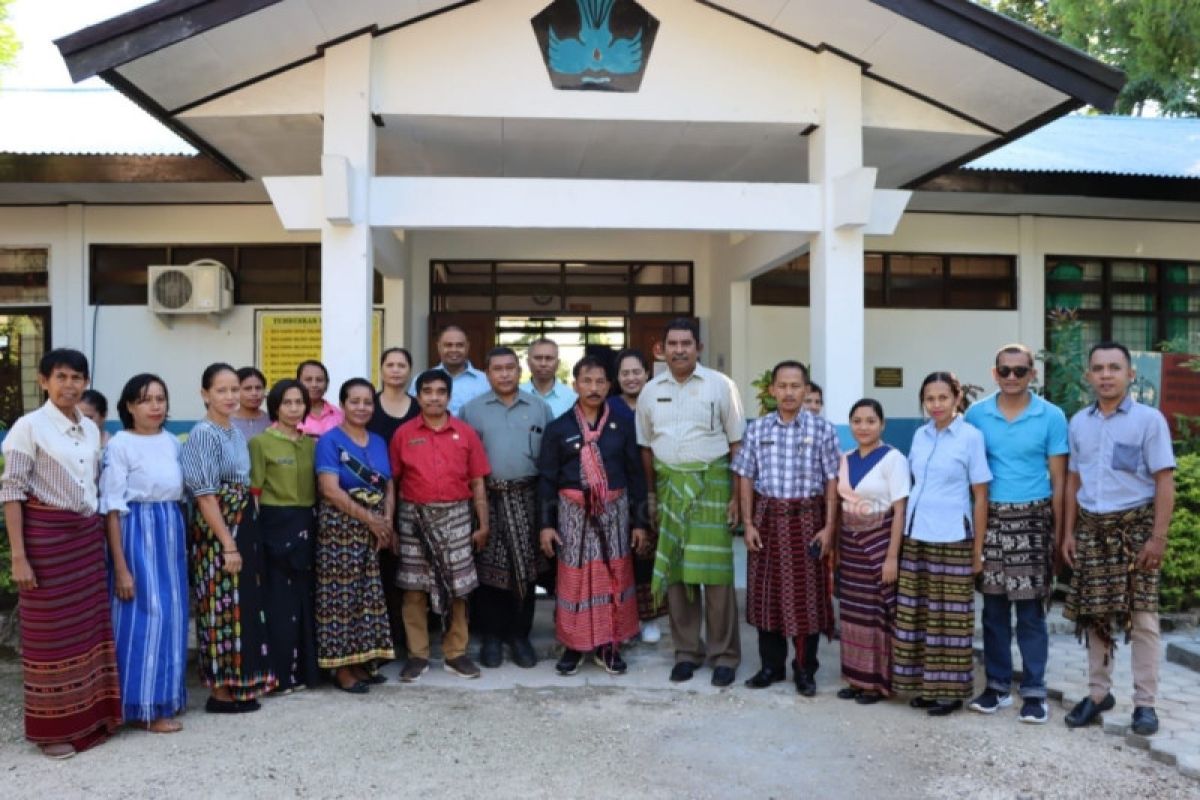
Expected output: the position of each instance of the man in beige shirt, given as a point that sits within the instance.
(689, 425)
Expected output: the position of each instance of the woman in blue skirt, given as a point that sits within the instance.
(141, 488)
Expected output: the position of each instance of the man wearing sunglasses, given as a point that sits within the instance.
(1026, 441)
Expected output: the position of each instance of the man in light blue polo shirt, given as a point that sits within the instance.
(1026, 441)
(469, 383)
(1119, 498)
(544, 383)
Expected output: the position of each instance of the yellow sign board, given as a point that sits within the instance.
(287, 337)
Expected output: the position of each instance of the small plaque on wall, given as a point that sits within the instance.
(889, 378)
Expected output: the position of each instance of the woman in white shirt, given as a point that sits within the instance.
(141, 488)
(873, 481)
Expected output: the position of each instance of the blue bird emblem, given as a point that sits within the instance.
(594, 50)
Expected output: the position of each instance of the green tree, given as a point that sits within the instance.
(8, 37)
(1155, 42)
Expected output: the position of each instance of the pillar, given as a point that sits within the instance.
(347, 252)
(837, 316)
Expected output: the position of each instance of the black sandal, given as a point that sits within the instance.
(215, 706)
(944, 708)
(868, 698)
(849, 693)
(921, 702)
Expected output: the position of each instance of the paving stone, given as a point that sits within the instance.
(1138, 741)
(1185, 653)
(1165, 751)
(1189, 766)
(1117, 726)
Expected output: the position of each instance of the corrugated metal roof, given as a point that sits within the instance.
(88, 121)
(1160, 147)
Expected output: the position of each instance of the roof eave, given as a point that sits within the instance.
(1026, 50)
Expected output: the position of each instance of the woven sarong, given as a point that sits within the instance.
(867, 605)
(695, 546)
(511, 560)
(935, 620)
(231, 626)
(1106, 587)
(352, 621)
(643, 573)
(596, 598)
(151, 630)
(1017, 550)
(72, 694)
(435, 552)
(786, 588)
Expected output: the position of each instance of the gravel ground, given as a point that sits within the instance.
(532, 734)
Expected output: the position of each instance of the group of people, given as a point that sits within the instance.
(325, 537)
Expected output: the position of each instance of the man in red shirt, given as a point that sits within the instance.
(438, 463)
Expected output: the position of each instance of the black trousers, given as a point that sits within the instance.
(773, 650)
(500, 613)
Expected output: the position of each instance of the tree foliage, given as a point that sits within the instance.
(1155, 42)
(8, 37)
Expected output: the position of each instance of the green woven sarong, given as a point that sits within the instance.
(695, 546)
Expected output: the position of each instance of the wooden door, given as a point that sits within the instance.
(480, 329)
(646, 333)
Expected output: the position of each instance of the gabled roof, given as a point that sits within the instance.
(1108, 145)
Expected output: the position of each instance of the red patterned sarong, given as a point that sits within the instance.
(595, 593)
(72, 692)
(787, 589)
(867, 604)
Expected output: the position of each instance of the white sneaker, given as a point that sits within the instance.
(650, 632)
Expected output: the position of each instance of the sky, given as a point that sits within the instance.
(38, 23)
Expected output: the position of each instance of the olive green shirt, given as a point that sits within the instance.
(281, 470)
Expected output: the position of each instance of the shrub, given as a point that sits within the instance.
(1181, 565)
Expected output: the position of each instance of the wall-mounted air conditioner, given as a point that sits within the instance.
(202, 287)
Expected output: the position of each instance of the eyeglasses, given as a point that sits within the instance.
(1020, 372)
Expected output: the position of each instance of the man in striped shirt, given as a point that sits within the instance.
(689, 425)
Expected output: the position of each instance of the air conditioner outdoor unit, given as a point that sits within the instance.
(201, 287)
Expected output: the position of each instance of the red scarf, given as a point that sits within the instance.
(591, 463)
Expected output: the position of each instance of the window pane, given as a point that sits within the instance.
(873, 280)
(786, 285)
(666, 305)
(1074, 270)
(271, 275)
(1133, 302)
(915, 281)
(1136, 333)
(118, 273)
(1134, 271)
(24, 278)
(462, 272)
(986, 282)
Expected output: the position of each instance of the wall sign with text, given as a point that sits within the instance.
(285, 337)
(595, 44)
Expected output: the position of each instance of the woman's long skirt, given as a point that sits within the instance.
(72, 692)
(596, 598)
(867, 606)
(289, 538)
(352, 620)
(786, 588)
(151, 629)
(230, 622)
(935, 621)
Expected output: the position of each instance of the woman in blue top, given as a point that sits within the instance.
(354, 522)
(946, 518)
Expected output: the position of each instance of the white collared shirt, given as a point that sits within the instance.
(53, 459)
(690, 422)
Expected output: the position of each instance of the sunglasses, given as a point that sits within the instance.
(1020, 372)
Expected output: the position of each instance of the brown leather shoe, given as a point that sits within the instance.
(462, 666)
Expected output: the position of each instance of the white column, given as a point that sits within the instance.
(70, 323)
(1031, 286)
(347, 253)
(836, 254)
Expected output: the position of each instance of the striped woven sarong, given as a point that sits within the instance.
(1106, 588)
(867, 605)
(1017, 550)
(435, 552)
(695, 545)
(72, 693)
(511, 559)
(935, 621)
(786, 588)
(595, 595)
(151, 629)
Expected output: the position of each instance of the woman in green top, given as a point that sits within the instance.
(283, 483)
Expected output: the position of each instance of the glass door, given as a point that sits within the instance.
(24, 335)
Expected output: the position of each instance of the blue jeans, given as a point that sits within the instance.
(1032, 640)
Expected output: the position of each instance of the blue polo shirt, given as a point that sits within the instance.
(945, 464)
(1018, 452)
(1117, 455)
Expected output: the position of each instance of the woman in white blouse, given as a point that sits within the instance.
(141, 488)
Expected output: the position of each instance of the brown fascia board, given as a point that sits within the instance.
(72, 168)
